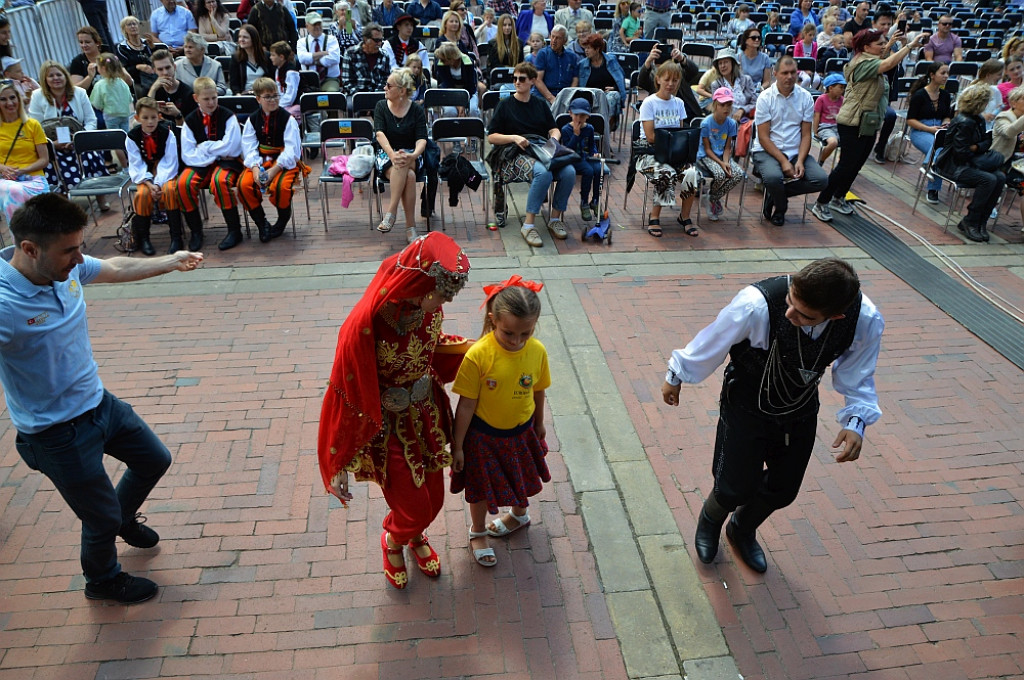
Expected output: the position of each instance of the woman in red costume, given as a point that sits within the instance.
(386, 416)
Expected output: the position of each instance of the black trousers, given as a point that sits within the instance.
(988, 187)
(888, 125)
(95, 12)
(762, 458)
(854, 152)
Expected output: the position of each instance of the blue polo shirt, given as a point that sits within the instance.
(172, 27)
(46, 364)
(559, 69)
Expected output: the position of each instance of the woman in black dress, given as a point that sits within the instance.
(401, 129)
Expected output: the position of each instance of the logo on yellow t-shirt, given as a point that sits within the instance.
(526, 381)
(492, 384)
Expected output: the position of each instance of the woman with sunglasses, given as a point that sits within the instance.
(518, 121)
(400, 126)
(622, 13)
(753, 60)
(23, 146)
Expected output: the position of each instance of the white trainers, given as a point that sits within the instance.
(821, 211)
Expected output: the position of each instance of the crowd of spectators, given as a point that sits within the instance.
(849, 58)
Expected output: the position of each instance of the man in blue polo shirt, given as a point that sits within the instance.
(64, 418)
(557, 67)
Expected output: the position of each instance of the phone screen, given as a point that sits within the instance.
(901, 26)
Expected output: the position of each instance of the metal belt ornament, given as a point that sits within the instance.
(397, 399)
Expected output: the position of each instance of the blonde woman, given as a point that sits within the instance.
(57, 97)
(970, 162)
(400, 126)
(505, 47)
(23, 147)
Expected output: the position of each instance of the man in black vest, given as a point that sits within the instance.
(780, 334)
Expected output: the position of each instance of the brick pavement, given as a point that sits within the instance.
(907, 564)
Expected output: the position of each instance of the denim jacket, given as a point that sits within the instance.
(614, 69)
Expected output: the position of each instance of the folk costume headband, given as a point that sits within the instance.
(514, 280)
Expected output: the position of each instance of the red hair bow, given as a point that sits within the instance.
(514, 280)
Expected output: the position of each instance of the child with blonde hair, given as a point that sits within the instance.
(111, 95)
(498, 447)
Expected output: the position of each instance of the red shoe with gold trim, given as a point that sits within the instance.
(396, 576)
(429, 565)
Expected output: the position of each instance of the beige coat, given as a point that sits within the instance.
(1005, 129)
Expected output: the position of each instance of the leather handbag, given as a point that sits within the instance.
(676, 147)
(50, 126)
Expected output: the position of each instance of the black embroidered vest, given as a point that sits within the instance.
(782, 381)
(163, 129)
(221, 118)
(273, 135)
(411, 47)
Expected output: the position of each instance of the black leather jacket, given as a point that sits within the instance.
(964, 132)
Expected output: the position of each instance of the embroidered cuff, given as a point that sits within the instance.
(855, 424)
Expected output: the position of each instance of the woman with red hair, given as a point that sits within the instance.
(386, 416)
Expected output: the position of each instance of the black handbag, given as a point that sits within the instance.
(676, 147)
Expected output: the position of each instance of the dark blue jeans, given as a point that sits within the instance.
(589, 172)
(71, 455)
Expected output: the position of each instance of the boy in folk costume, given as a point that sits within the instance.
(272, 146)
(211, 149)
(153, 166)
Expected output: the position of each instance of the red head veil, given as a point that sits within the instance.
(351, 413)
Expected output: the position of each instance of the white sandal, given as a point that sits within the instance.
(410, 234)
(386, 223)
(481, 553)
(501, 530)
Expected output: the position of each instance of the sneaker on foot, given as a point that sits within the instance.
(933, 197)
(878, 159)
(136, 534)
(123, 588)
(821, 211)
(585, 212)
(841, 206)
(531, 236)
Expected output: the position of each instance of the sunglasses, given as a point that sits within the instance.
(377, 40)
(519, 79)
(945, 23)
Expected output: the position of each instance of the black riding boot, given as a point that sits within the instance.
(709, 529)
(742, 533)
(195, 226)
(260, 218)
(283, 215)
(174, 223)
(234, 236)
(140, 232)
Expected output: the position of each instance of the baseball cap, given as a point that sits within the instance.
(8, 62)
(314, 18)
(833, 79)
(722, 94)
(579, 105)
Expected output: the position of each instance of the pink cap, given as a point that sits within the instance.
(722, 94)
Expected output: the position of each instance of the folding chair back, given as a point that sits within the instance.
(457, 129)
(341, 130)
(242, 106)
(363, 102)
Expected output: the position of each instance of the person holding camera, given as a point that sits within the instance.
(862, 114)
(691, 76)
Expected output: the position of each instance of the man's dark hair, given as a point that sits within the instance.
(828, 286)
(44, 218)
(784, 60)
(884, 10)
(160, 55)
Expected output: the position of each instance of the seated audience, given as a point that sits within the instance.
(273, 22)
(250, 62)
(172, 96)
(578, 135)
(153, 166)
(169, 24)
(930, 110)
(403, 43)
(22, 172)
(195, 64)
(321, 52)
(136, 55)
(944, 46)
(214, 23)
(534, 20)
(454, 70)
(556, 68)
(363, 67)
(717, 144)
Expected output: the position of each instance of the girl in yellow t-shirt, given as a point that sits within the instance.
(498, 444)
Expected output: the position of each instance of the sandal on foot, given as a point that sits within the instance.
(481, 554)
(688, 227)
(386, 223)
(398, 577)
(429, 565)
(500, 529)
(410, 234)
(654, 227)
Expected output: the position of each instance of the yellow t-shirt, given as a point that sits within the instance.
(24, 152)
(503, 382)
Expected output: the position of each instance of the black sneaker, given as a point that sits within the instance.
(933, 197)
(123, 588)
(136, 534)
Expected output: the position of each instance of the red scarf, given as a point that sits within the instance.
(149, 146)
(210, 125)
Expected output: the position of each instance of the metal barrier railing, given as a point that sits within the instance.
(47, 30)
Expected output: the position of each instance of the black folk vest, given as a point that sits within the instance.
(163, 129)
(782, 381)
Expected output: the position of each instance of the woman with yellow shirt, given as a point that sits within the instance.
(23, 146)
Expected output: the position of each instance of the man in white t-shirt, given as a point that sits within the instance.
(783, 122)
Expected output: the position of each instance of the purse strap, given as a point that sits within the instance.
(13, 142)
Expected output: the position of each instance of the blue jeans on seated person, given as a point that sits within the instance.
(923, 141)
(587, 169)
(565, 180)
(70, 454)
